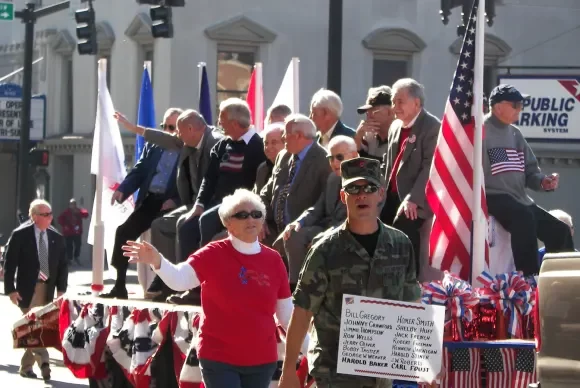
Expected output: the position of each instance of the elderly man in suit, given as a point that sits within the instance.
(325, 110)
(299, 176)
(154, 175)
(194, 141)
(327, 212)
(36, 252)
(273, 144)
(412, 141)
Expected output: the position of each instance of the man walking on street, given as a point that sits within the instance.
(71, 222)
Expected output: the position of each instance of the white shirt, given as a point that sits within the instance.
(326, 137)
(37, 234)
(246, 137)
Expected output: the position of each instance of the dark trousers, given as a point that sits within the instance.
(188, 238)
(210, 224)
(138, 223)
(412, 228)
(526, 224)
(220, 375)
(73, 247)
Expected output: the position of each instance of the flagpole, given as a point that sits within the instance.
(296, 85)
(99, 226)
(259, 102)
(200, 67)
(479, 221)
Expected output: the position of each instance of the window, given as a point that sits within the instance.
(388, 71)
(489, 79)
(393, 52)
(234, 69)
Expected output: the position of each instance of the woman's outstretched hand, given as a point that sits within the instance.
(142, 252)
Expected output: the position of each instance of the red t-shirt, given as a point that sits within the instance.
(239, 294)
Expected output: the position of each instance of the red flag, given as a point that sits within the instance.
(450, 190)
(255, 98)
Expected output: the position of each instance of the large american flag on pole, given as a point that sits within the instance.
(450, 188)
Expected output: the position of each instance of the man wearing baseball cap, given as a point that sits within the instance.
(510, 166)
(372, 133)
(346, 261)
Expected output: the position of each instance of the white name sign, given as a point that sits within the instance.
(390, 339)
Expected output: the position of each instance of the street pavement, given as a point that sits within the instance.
(79, 283)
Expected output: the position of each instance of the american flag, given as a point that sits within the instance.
(463, 370)
(499, 365)
(450, 189)
(525, 372)
(505, 159)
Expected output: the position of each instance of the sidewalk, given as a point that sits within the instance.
(79, 282)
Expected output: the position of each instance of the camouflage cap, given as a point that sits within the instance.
(360, 168)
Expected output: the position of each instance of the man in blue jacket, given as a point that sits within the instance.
(154, 175)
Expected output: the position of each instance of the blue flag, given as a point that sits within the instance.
(204, 100)
(146, 114)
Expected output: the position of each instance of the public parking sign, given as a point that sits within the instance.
(6, 11)
(11, 114)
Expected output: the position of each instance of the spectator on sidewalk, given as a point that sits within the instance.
(71, 223)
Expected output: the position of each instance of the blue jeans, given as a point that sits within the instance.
(220, 375)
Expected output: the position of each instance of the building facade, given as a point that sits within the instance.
(383, 40)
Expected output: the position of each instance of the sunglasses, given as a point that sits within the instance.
(339, 157)
(369, 188)
(244, 215)
(45, 214)
(167, 127)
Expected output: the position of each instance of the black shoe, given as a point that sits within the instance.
(28, 374)
(116, 293)
(45, 371)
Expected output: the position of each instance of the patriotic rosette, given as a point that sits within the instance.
(458, 298)
(511, 295)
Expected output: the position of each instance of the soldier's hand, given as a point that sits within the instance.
(289, 380)
(289, 228)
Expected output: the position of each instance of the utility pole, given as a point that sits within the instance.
(334, 69)
(28, 16)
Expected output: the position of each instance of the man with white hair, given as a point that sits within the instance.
(233, 165)
(36, 259)
(300, 175)
(411, 145)
(325, 110)
(327, 212)
(273, 144)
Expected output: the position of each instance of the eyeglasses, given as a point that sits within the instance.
(45, 214)
(353, 189)
(167, 127)
(339, 157)
(244, 215)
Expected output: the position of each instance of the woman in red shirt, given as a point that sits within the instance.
(242, 282)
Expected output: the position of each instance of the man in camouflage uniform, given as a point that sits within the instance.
(361, 257)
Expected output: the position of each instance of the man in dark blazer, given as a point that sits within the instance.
(194, 141)
(412, 141)
(327, 212)
(325, 110)
(299, 176)
(154, 175)
(36, 252)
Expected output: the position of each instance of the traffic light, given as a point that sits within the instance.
(161, 16)
(86, 31)
(38, 158)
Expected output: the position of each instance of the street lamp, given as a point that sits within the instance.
(448, 5)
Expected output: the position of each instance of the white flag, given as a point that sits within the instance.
(289, 92)
(108, 164)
